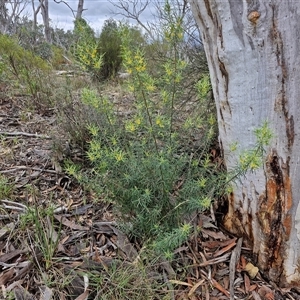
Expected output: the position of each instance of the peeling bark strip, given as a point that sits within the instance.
(270, 214)
(252, 49)
(225, 74)
(281, 102)
(207, 5)
(276, 223)
(290, 130)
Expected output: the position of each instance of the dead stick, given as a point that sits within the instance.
(18, 168)
(235, 257)
(16, 133)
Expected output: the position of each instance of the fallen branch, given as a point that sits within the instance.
(14, 205)
(235, 257)
(13, 216)
(17, 133)
(213, 261)
(18, 168)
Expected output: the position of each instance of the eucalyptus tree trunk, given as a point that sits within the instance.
(252, 49)
(35, 13)
(44, 6)
(79, 9)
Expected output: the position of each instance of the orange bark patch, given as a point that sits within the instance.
(272, 190)
(287, 224)
(274, 215)
(287, 219)
(253, 16)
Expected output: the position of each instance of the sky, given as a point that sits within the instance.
(97, 12)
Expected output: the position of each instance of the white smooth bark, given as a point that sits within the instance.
(252, 49)
(44, 5)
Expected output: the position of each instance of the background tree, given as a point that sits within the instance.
(3, 16)
(62, 38)
(79, 10)
(252, 51)
(10, 12)
(29, 34)
(35, 13)
(44, 6)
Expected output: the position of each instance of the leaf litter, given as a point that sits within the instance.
(85, 238)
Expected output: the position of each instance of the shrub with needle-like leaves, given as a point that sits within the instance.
(154, 164)
(141, 161)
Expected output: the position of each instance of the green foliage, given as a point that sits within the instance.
(128, 282)
(142, 163)
(190, 47)
(57, 57)
(203, 86)
(263, 135)
(28, 69)
(109, 47)
(171, 239)
(83, 31)
(62, 39)
(45, 237)
(29, 37)
(86, 49)
(154, 164)
(44, 50)
(6, 188)
(101, 57)
(32, 38)
(250, 159)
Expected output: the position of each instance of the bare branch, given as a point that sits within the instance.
(17, 133)
(35, 13)
(132, 9)
(64, 2)
(19, 168)
(10, 11)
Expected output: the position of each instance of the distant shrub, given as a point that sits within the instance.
(85, 49)
(28, 69)
(82, 31)
(109, 47)
(44, 50)
(57, 58)
(101, 57)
